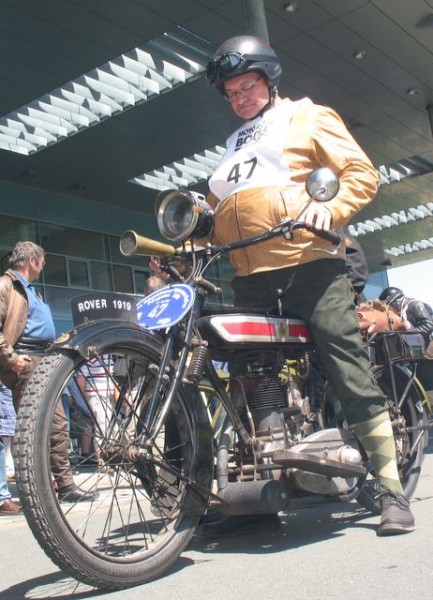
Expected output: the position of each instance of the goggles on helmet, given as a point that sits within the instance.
(227, 63)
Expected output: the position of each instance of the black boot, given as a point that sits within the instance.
(396, 515)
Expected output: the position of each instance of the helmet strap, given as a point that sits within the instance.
(272, 95)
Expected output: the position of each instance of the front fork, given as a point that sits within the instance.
(155, 415)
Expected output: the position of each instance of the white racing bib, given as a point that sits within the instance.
(255, 153)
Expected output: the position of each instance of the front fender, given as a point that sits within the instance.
(95, 335)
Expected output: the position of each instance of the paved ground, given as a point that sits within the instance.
(323, 553)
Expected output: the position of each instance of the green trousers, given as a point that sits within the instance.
(320, 293)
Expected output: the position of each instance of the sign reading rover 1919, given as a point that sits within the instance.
(104, 305)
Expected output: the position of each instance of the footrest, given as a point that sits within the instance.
(317, 464)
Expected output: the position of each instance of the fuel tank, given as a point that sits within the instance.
(229, 333)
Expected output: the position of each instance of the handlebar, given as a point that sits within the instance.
(330, 235)
(131, 243)
(286, 228)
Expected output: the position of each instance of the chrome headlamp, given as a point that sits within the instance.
(183, 215)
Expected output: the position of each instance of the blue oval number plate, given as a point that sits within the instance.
(166, 307)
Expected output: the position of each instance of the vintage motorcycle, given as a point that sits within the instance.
(281, 440)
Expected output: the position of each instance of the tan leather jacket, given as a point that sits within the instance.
(14, 307)
(317, 138)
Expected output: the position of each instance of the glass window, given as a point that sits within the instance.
(139, 280)
(18, 200)
(4, 260)
(59, 300)
(71, 211)
(123, 281)
(78, 273)
(54, 271)
(113, 241)
(79, 259)
(72, 242)
(101, 276)
(14, 229)
(121, 219)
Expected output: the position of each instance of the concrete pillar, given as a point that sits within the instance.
(430, 116)
(255, 18)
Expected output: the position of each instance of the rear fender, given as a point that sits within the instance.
(402, 376)
(425, 399)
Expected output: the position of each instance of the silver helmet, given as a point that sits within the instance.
(243, 54)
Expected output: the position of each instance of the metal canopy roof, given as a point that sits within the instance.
(371, 60)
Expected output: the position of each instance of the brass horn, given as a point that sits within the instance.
(132, 243)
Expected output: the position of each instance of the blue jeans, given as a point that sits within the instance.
(4, 490)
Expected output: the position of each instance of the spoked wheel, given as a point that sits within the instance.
(410, 445)
(145, 494)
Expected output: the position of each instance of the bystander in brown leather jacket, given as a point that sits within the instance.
(13, 317)
(14, 307)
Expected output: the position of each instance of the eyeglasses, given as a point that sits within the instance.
(248, 86)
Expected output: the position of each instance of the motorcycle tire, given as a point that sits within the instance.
(410, 445)
(150, 497)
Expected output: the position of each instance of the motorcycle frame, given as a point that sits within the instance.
(184, 332)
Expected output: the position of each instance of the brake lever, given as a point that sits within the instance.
(170, 269)
(174, 273)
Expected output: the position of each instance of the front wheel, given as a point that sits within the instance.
(145, 494)
(407, 415)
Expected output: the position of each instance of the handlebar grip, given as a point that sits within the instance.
(330, 235)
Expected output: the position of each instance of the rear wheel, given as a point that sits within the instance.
(410, 445)
(151, 492)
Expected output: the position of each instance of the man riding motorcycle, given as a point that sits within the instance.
(261, 181)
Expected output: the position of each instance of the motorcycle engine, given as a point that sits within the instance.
(257, 385)
(275, 398)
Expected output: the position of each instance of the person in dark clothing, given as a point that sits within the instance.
(356, 265)
(416, 315)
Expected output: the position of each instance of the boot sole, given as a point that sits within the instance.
(394, 529)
